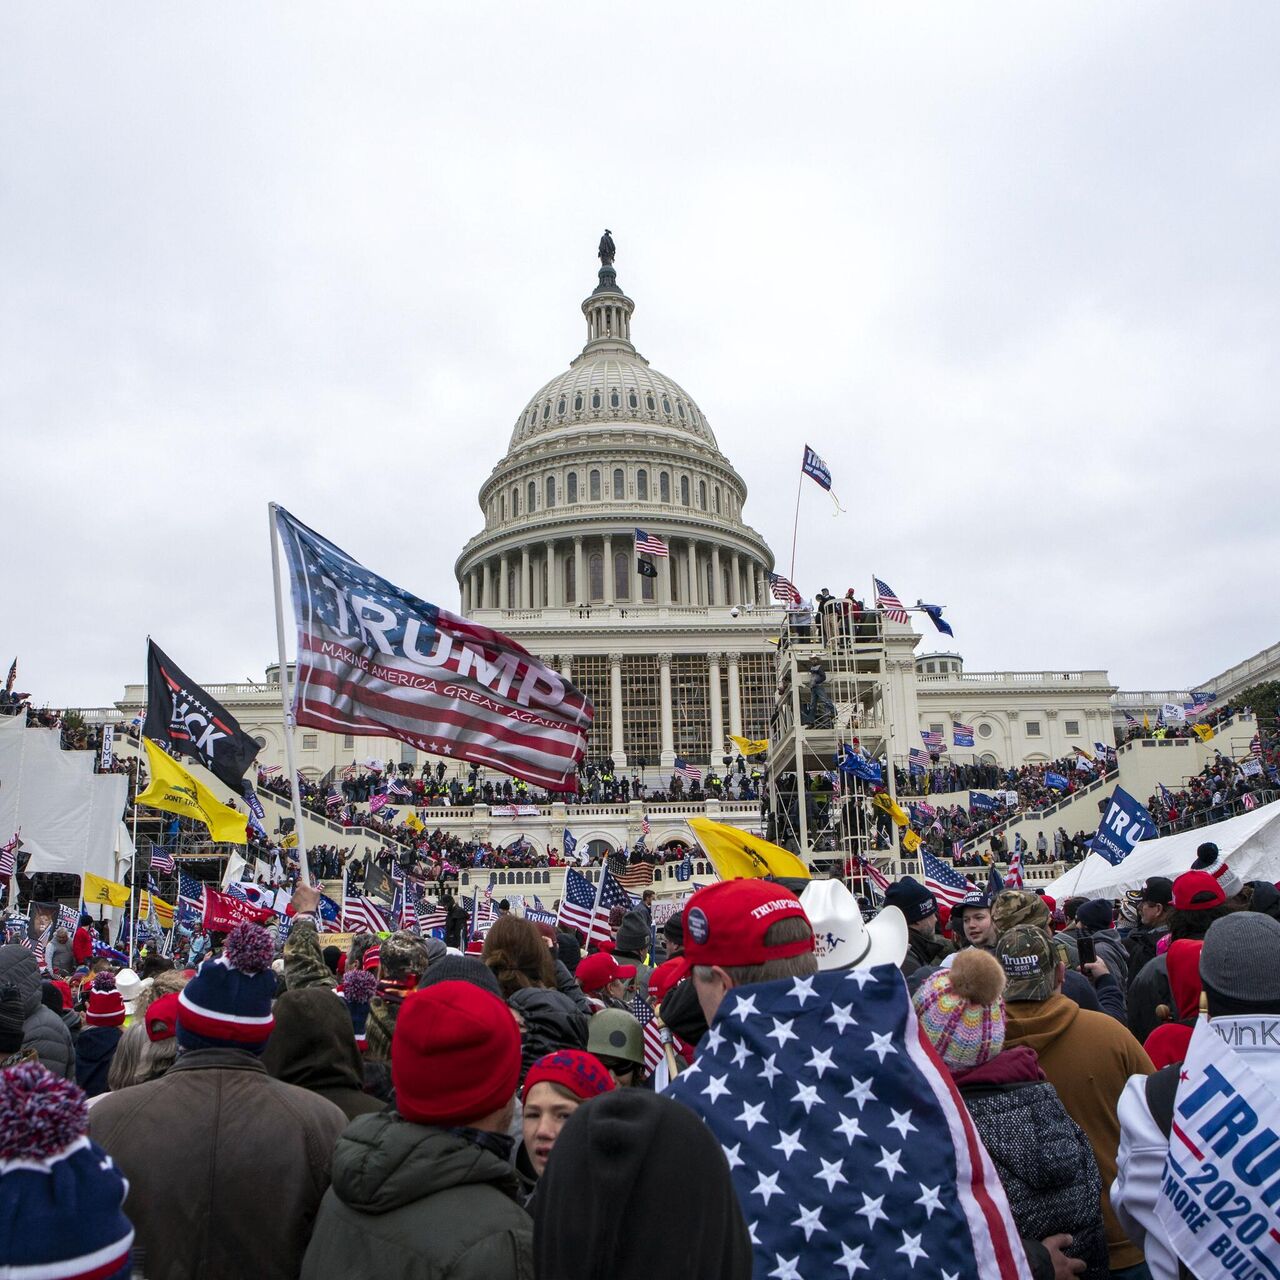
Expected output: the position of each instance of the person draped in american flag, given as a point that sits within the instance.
(849, 1148)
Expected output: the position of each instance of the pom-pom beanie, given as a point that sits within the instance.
(358, 990)
(106, 1004)
(1209, 859)
(961, 1010)
(227, 1005)
(61, 1196)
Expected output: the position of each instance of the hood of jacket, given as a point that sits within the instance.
(313, 1043)
(1183, 966)
(552, 1021)
(1018, 1065)
(1039, 1023)
(95, 1045)
(383, 1162)
(18, 966)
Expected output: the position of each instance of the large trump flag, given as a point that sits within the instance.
(374, 659)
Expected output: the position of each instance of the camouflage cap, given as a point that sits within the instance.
(1029, 961)
(1013, 907)
(403, 955)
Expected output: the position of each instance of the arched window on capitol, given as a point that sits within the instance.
(619, 483)
(533, 495)
(642, 485)
(595, 576)
(571, 487)
(664, 487)
(593, 486)
(702, 494)
(621, 576)
(684, 491)
(551, 491)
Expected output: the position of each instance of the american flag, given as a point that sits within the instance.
(9, 857)
(873, 874)
(687, 770)
(269, 770)
(349, 772)
(961, 734)
(652, 1032)
(644, 825)
(886, 600)
(484, 698)
(944, 882)
(784, 590)
(1255, 746)
(483, 912)
(431, 915)
(334, 799)
(636, 875)
(161, 859)
(917, 759)
(1013, 878)
(363, 915)
(579, 899)
(932, 739)
(1249, 800)
(398, 788)
(405, 909)
(190, 899)
(815, 1083)
(650, 544)
(957, 848)
(1130, 722)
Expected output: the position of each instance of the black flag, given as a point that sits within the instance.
(646, 568)
(182, 717)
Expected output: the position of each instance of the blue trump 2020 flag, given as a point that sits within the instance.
(1056, 781)
(814, 467)
(849, 1148)
(935, 616)
(849, 761)
(1125, 824)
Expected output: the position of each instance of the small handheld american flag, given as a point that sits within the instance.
(944, 882)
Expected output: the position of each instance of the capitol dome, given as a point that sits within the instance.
(606, 447)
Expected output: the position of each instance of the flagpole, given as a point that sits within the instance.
(795, 528)
(288, 725)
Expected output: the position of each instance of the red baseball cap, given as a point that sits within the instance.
(1197, 891)
(597, 970)
(725, 924)
(663, 978)
(161, 1017)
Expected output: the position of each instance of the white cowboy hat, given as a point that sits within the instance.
(841, 939)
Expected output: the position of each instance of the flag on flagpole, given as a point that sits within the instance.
(944, 882)
(961, 734)
(687, 770)
(650, 544)
(935, 616)
(888, 602)
(374, 659)
(651, 1032)
(817, 470)
(739, 853)
(173, 790)
(932, 739)
(578, 906)
(1014, 878)
(363, 915)
(784, 591)
(9, 856)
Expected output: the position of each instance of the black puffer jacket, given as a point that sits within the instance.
(1044, 1160)
(42, 1029)
(924, 949)
(552, 1022)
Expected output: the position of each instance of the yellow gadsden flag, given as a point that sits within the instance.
(737, 855)
(164, 910)
(910, 841)
(750, 746)
(174, 790)
(883, 801)
(413, 822)
(107, 892)
(1203, 731)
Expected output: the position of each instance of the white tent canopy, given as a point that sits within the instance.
(1250, 843)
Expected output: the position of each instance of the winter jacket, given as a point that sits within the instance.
(95, 1047)
(924, 949)
(1168, 1042)
(552, 1021)
(1087, 1057)
(1111, 951)
(1043, 1157)
(237, 1193)
(1147, 992)
(682, 1012)
(568, 984)
(410, 1202)
(304, 964)
(61, 957)
(1141, 945)
(313, 1045)
(42, 1029)
(82, 945)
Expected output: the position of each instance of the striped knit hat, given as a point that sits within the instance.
(357, 990)
(60, 1194)
(227, 1005)
(961, 1010)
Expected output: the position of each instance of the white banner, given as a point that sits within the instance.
(1251, 768)
(1173, 713)
(1219, 1186)
(1011, 799)
(514, 811)
(108, 747)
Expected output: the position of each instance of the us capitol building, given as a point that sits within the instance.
(677, 661)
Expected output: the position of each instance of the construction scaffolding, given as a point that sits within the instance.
(832, 693)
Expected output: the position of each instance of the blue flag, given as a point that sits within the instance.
(1125, 824)
(935, 616)
(1056, 781)
(570, 843)
(983, 803)
(849, 761)
(995, 883)
(814, 467)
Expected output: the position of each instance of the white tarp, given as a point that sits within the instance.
(1250, 843)
(67, 814)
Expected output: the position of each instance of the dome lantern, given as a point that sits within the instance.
(608, 310)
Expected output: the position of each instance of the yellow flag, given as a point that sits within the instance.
(107, 892)
(1146, 724)
(883, 801)
(290, 841)
(174, 790)
(164, 910)
(413, 822)
(750, 746)
(910, 841)
(1203, 731)
(737, 855)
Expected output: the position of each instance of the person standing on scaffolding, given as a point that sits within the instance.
(820, 711)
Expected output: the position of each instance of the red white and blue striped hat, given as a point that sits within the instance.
(60, 1194)
(227, 1005)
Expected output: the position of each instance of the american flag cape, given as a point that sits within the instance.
(850, 1149)
(374, 659)
(944, 882)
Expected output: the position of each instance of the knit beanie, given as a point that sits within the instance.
(455, 1055)
(961, 1011)
(911, 898)
(583, 1074)
(106, 1004)
(227, 1005)
(1209, 859)
(633, 934)
(12, 1020)
(60, 1193)
(357, 990)
(461, 969)
(372, 958)
(1240, 960)
(1096, 915)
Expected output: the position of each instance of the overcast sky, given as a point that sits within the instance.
(1011, 270)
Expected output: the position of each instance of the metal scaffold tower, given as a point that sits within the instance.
(832, 693)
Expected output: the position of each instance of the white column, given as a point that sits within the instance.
(503, 602)
(553, 595)
(608, 568)
(486, 598)
(735, 581)
(717, 716)
(615, 711)
(566, 666)
(466, 594)
(692, 557)
(664, 703)
(665, 568)
(526, 580)
(717, 586)
(579, 576)
(735, 696)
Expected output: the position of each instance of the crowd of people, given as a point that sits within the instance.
(498, 1105)
(1223, 787)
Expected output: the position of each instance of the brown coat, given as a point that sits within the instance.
(226, 1166)
(1088, 1057)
